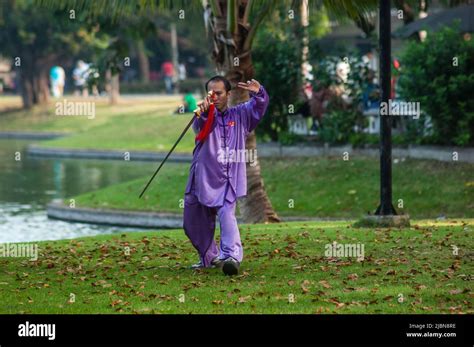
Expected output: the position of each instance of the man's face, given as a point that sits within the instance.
(220, 94)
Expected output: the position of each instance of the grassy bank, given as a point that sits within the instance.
(285, 270)
(317, 187)
(134, 124)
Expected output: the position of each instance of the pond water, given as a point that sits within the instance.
(28, 184)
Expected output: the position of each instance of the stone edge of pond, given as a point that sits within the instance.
(124, 218)
(138, 219)
(25, 135)
(38, 151)
(266, 150)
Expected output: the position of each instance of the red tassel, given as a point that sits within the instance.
(206, 129)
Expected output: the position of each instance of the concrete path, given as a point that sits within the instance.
(270, 150)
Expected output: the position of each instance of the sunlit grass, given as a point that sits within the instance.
(285, 270)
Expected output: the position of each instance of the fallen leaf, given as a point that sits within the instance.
(353, 277)
(243, 299)
(115, 303)
(325, 284)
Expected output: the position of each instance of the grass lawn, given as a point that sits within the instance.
(146, 131)
(44, 119)
(285, 270)
(134, 124)
(318, 187)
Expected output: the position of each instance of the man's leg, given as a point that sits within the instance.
(199, 225)
(231, 245)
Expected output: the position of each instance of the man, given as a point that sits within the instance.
(189, 102)
(80, 75)
(57, 77)
(167, 69)
(215, 184)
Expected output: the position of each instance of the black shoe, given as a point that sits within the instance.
(230, 266)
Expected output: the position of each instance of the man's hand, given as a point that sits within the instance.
(204, 105)
(251, 86)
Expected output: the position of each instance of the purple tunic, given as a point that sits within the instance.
(218, 168)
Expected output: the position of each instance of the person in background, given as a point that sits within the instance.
(189, 102)
(57, 77)
(80, 75)
(182, 72)
(167, 70)
(371, 92)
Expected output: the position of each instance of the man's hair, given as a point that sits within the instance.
(218, 78)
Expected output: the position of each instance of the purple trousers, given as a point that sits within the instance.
(199, 226)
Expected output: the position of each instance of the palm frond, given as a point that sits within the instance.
(120, 8)
(348, 8)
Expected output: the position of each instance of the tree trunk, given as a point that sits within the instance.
(41, 86)
(232, 56)
(112, 87)
(143, 63)
(175, 57)
(115, 93)
(256, 207)
(34, 81)
(26, 90)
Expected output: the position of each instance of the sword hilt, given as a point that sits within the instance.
(211, 95)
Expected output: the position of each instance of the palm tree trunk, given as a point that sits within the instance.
(231, 53)
(256, 207)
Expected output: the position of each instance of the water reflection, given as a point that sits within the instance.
(28, 184)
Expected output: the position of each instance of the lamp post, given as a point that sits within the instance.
(385, 208)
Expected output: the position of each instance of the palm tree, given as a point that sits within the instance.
(232, 26)
(232, 35)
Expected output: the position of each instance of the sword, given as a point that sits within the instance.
(197, 113)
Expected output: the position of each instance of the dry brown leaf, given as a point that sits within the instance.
(353, 277)
(325, 284)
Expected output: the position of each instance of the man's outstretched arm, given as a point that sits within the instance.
(253, 110)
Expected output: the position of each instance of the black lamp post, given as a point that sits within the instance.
(385, 208)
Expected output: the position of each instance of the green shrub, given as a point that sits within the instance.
(286, 138)
(338, 126)
(445, 91)
(342, 123)
(277, 63)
